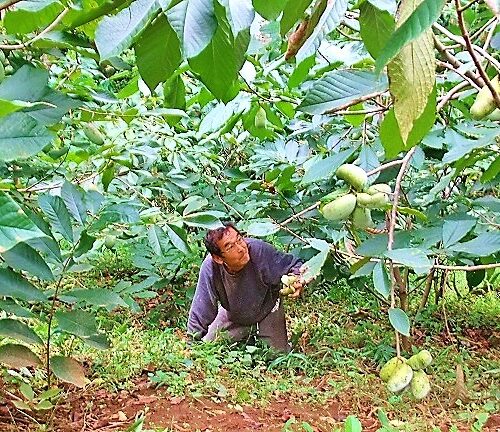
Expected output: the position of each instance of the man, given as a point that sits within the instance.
(243, 275)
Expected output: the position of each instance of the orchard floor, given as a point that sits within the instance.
(102, 411)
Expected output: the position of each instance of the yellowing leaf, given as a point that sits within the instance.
(412, 75)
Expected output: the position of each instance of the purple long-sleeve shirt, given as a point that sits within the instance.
(248, 295)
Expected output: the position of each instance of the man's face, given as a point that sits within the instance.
(234, 250)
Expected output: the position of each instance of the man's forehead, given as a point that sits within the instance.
(229, 233)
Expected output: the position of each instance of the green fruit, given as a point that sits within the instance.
(110, 241)
(288, 279)
(377, 200)
(379, 187)
(485, 103)
(364, 199)
(93, 134)
(260, 118)
(340, 208)
(420, 385)
(287, 290)
(420, 360)
(108, 71)
(354, 175)
(400, 378)
(362, 218)
(390, 367)
(495, 115)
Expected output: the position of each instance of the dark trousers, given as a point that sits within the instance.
(272, 329)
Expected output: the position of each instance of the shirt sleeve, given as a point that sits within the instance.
(204, 306)
(274, 263)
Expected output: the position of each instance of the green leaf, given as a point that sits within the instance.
(340, 87)
(116, 33)
(15, 226)
(411, 257)
(413, 25)
(269, 10)
(158, 52)
(376, 26)
(412, 76)
(17, 330)
(202, 220)
(11, 307)
(11, 106)
(315, 264)
(68, 370)
(325, 168)
(178, 237)
(99, 341)
(97, 297)
(488, 202)
(56, 211)
(14, 285)
(455, 228)
(30, 15)
(381, 280)
(18, 356)
(78, 17)
(84, 244)
(459, 146)
(399, 320)
(483, 245)
(293, 11)
(331, 16)
(174, 93)
(157, 240)
(192, 204)
(262, 229)
(414, 212)
(21, 136)
(77, 322)
(108, 175)
(24, 257)
(27, 84)
(352, 424)
(491, 172)
(74, 199)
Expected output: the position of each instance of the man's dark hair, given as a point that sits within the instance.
(213, 236)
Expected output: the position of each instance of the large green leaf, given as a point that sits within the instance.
(293, 11)
(10, 106)
(99, 341)
(314, 265)
(15, 226)
(77, 322)
(14, 285)
(24, 257)
(411, 257)
(381, 280)
(412, 76)
(18, 330)
(178, 237)
(158, 52)
(11, 307)
(53, 206)
(27, 84)
(157, 240)
(18, 356)
(270, 10)
(30, 15)
(419, 21)
(195, 23)
(331, 16)
(78, 16)
(340, 87)
(74, 199)
(399, 320)
(376, 27)
(456, 227)
(324, 168)
(68, 370)
(21, 136)
(483, 245)
(262, 229)
(459, 145)
(118, 32)
(97, 297)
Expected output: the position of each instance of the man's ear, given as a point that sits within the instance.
(217, 259)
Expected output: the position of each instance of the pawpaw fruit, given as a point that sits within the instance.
(390, 367)
(379, 187)
(364, 199)
(362, 218)
(354, 175)
(485, 103)
(400, 378)
(495, 115)
(377, 200)
(260, 118)
(420, 385)
(110, 241)
(93, 134)
(288, 279)
(340, 208)
(421, 360)
(287, 290)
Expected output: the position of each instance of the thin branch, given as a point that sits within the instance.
(463, 43)
(299, 214)
(451, 94)
(8, 3)
(468, 5)
(375, 111)
(458, 72)
(354, 102)
(467, 268)
(38, 36)
(384, 166)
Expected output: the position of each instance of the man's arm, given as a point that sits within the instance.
(204, 306)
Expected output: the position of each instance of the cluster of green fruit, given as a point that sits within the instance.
(401, 374)
(357, 201)
(288, 282)
(5, 67)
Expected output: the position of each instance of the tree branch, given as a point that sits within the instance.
(473, 83)
(446, 98)
(299, 214)
(354, 102)
(8, 3)
(384, 166)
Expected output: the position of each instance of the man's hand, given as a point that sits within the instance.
(293, 285)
